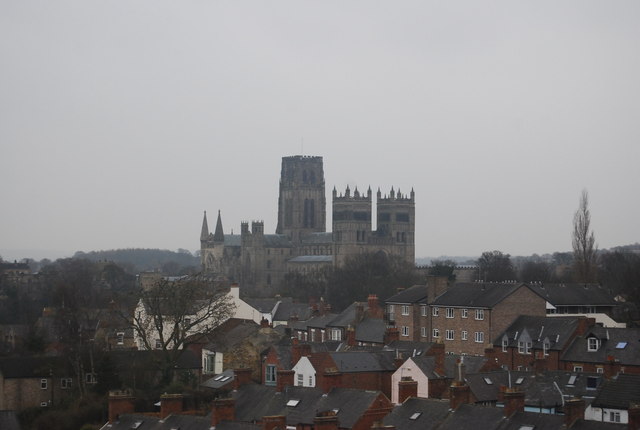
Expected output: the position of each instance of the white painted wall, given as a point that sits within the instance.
(409, 368)
(305, 369)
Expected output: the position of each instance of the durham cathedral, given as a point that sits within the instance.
(259, 261)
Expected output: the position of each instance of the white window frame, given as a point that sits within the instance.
(450, 334)
(336, 334)
(479, 337)
(66, 383)
(435, 311)
(423, 311)
(158, 344)
(405, 309)
(90, 378)
(299, 380)
(464, 335)
(614, 416)
(405, 330)
(271, 370)
(44, 384)
(593, 344)
(423, 331)
(435, 333)
(479, 314)
(450, 313)
(505, 345)
(578, 369)
(464, 313)
(120, 338)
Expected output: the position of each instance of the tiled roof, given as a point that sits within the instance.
(371, 330)
(183, 422)
(418, 414)
(574, 294)
(618, 393)
(477, 295)
(287, 309)
(410, 295)
(363, 361)
(473, 417)
(620, 344)
(558, 330)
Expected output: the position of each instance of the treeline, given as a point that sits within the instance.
(136, 260)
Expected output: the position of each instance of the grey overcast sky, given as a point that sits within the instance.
(122, 121)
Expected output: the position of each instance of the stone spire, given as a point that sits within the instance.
(218, 235)
(204, 235)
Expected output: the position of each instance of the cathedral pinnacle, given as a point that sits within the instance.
(218, 235)
(204, 234)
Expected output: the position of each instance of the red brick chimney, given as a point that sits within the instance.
(391, 334)
(407, 387)
(241, 377)
(331, 379)
(284, 378)
(359, 312)
(459, 393)
(327, 420)
(375, 311)
(634, 416)
(274, 422)
(264, 323)
(299, 350)
(513, 401)
(120, 402)
(584, 324)
(223, 410)
(573, 410)
(170, 404)
(351, 336)
(437, 352)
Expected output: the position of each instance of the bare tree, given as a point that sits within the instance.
(172, 313)
(583, 240)
(495, 266)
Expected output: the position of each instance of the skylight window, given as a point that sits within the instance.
(293, 403)
(527, 427)
(621, 345)
(415, 416)
(519, 380)
(488, 381)
(572, 380)
(219, 377)
(226, 378)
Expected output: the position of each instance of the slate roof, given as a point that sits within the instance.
(431, 411)
(287, 309)
(219, 380)
(472, 364)
(363, 361)
(277, 241)
(476, 295)
(574, 294)
(410, 295)
(558, 330)
(33, 367)
(346, 317)
(232, 240)
(312, 259)
(317, 322)
(264, 305)
(537, 421)
(618, 393)
(371, 330)
(318, 238)
(408, 349)
(473, 417)
(183, 422)
(621, 344)
(350, 404)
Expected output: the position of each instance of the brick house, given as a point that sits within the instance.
(536, 343)
(27, 382)
(467, 317)
(604, 350)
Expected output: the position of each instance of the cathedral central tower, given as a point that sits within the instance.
(301, 201)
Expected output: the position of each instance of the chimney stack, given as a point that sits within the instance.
(459, 393)
(327, 420)
(375, 311)
(407, 387)
(223, 410)
(241, 377)
(573, 410)
(351, 336)
(330, 379)
(170, 404)
(274, 422)
(120, 402)
(390, 335)
(437, 352)
(284, 378)
(299, 350)
(513, 401)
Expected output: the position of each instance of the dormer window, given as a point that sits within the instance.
(593, 344)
